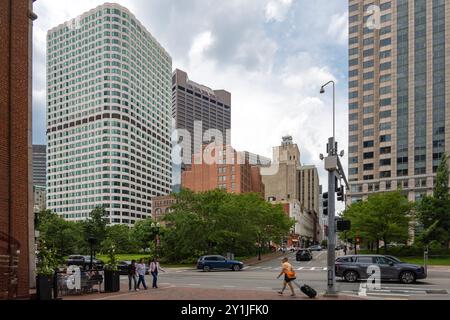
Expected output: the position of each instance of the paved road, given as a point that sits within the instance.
(262, 277)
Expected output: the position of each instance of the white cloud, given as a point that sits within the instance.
(338, 28)
(274, 72)
(202, 42)
(276, 10)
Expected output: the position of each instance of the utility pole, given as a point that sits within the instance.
(335, 173)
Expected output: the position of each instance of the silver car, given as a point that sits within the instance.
(355, 267)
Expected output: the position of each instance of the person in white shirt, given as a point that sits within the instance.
(140, 269)
(154, 268)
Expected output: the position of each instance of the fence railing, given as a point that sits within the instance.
(84, 282)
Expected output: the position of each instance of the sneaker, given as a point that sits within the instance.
(280, 292)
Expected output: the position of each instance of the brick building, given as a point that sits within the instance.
(16, 193)
(161, 206)
(221, 167)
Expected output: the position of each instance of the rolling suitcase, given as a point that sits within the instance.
(310, 292)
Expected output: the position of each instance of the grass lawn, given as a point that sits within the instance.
(431, 261)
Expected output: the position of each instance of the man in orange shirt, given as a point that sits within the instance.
(289, 276)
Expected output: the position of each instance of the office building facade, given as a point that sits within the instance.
(296, 187)
(399, 94)
(228, 170)
(39, 165)
(193, 102)
(108, 116)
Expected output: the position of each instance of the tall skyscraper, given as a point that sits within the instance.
(399, 95)
(296, 187)
(195, 102)
(39, 165)
(109, 116)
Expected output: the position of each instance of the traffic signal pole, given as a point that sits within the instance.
(330, 166)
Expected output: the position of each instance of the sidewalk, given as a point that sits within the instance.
(264, 258)
(179, 293)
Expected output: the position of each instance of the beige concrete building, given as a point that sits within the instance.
(296, 187)
(399, 95)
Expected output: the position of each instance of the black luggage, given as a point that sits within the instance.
(310, 292)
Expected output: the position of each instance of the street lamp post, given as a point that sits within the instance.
(92, 241)
(155, 228)
(334, 168)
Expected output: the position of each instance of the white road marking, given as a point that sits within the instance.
(193, 284)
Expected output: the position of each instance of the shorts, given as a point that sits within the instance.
(287, 279)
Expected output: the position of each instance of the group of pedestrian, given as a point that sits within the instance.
(137, 271)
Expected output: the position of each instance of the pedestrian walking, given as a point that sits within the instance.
(140, 269)
(154, 268)
(289, 276)
(132, 275)
(345, 250)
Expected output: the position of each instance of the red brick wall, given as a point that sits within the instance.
(15, 127)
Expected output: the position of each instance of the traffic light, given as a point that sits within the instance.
(343, 225)
(325, 203)
(340, 194)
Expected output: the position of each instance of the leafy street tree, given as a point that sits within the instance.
(384, 216)
(95, 225)
(61, 236)
(120, 235)
(220, 222)
(142, 234)
(434, 211)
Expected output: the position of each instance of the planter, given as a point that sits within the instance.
(44, 286)
(112, 281)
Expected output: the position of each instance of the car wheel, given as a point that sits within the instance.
(351, 276)
(236, 268)
(407, 277)
(206, 268)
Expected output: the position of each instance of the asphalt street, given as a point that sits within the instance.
(262, 277)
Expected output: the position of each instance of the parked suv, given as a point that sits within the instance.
(84, 262)
(207, 263)
(303, 255)
(354, 267)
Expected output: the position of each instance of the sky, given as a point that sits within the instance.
(272, 55)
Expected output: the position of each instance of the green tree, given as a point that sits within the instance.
(384, 216)
(220, 222)
(121, 236)
(142, 234)
(95, 225)
(434, 211)
(60, 236)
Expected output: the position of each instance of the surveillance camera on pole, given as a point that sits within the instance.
(335, 172)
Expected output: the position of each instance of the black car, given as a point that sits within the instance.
(355, 267)
(123, 267)
(207, 263)
(85, 262)
(303, 255)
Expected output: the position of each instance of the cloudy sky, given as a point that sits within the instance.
(272, 55)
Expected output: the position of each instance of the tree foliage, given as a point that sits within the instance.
(384, 216)
(216, 222)
(434, 211)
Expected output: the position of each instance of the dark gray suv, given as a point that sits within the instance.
(354, 267)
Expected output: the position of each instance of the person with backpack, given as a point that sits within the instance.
(289, 276)
(132, 275)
